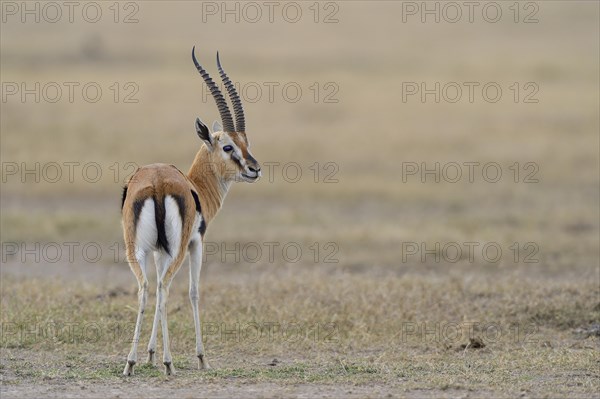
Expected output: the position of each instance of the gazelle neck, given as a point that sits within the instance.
(211, 186)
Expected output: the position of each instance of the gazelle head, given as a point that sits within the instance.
(228, 149)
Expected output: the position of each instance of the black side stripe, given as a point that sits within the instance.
(202, 228)
(159, 216)
(197, 201)
(123, 196)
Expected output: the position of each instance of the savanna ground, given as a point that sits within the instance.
(364, 315)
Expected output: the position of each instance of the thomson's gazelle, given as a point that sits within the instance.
(166, 212)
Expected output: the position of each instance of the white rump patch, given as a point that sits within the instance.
(145, 232)
(173, 225)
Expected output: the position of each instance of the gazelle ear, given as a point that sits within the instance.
(203, 133)
(217, 127)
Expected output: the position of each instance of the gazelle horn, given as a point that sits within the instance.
(238, 110)
(216, 93)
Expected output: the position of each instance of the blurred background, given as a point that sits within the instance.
(358, 97)
(338, 101)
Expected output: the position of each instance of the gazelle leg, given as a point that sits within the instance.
(164, 262)
(152, 343)
(139, 267)
(160, 266)
(170, 263)
(195, 266)
(163, 295)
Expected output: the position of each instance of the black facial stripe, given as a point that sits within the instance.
(252, 160)
(237, 161)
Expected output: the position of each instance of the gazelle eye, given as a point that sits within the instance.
(227, 148)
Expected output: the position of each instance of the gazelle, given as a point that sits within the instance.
(166, 213)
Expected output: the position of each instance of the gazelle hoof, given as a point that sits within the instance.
(129, 368)
(150, 359)
(203, 363)
(169, 369)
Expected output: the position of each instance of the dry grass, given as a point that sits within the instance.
(323, 327)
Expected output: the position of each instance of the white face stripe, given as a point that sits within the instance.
(246, 167)
(226, 140)
(173, 225)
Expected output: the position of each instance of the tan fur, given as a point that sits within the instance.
(210, 176)
(157, 180)
(206, 174)
(129, 228)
